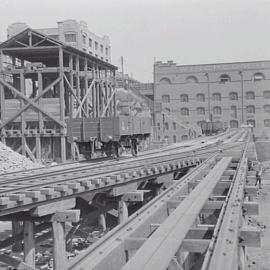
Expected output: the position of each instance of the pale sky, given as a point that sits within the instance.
(185, 31)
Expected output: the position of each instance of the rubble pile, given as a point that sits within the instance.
(11, 161)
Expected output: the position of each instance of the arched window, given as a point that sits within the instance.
(224, 78)
(250, 95)
(184, 98)
(216, 96)
(266, 94)
(174, 138)
(258, 76)
(234, 111)
(185, 111)
(201, 111)
(234, 124)
(267, 108)
(233, 96)
(192, 79)
(250, 109)
(267, 122)
(165, 81)
(174, 125)
(217, 110)
(167, 110)
(184, 137)
(251, 122)
(200, 97)
(166, 98)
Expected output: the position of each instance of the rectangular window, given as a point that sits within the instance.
(84, 39)
(96, 45)
(166, 126)
(101, 48)
(90, 42)
(70, 37)
(107, 51)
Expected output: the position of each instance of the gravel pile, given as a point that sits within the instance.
(11, 161)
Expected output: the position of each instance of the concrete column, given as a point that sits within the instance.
(59, 245)
(29, 242)
(16, 229)
(102, 222)
(122, 211)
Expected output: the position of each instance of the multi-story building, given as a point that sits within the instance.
(230, 93)
(75, 34)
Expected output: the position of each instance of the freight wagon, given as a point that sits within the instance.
(109, 135)
(211, 128)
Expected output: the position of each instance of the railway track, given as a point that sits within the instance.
(19, 191)
(175, 226)
(61, 168)
(195, 224)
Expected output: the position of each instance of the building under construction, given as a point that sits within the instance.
(46, 83)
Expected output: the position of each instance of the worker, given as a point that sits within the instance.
(259, 176)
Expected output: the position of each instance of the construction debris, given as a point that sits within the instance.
(11, 161)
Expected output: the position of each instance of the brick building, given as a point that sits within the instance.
(75, 34)
(230, 93)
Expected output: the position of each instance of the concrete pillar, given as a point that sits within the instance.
(59, 245)
(102, 222)
(16, 229)
(122, 211)
(29, 242)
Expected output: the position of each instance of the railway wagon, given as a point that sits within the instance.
(109, 135)
(210, 128)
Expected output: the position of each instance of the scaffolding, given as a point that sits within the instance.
(46, 83)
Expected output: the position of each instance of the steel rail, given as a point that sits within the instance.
(225, 252)
(63, 172)
(158, 251)
(59, 169)
(81, 174)
(109, 245)
(21, 195)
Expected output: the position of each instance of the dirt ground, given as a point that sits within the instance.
(259, 258)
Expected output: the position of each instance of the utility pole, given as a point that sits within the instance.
(242, 96)
(122, 66)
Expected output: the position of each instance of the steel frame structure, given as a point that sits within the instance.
(64, 83)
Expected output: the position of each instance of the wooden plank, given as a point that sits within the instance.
(174, 265)
(195, 245)
(28, 105)
(134, 196)
(59, 246)
(32, 103)
(250, 237)
(15, 263)
(54, 207)
(29, 243)
(252, 208)
(157, 252)
(200, 233)
(67, 216)
(132, 243)
(251, 190)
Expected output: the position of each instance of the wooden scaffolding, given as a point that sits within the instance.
(43, 83)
